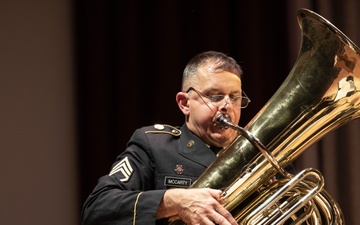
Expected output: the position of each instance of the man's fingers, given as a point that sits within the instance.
(217, 194)
(223, 217)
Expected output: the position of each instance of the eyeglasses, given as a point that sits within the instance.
(216, 100)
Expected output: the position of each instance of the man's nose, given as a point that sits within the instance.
(226, 102)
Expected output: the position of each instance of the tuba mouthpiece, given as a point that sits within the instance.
(222, 121)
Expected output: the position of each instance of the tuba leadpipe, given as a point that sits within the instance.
(320, 94)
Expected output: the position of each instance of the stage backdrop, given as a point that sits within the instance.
(130, 57)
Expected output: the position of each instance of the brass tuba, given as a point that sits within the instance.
(319, 95)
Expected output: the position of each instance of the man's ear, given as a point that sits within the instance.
(183, 102)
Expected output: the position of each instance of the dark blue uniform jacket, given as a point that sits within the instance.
(156, 158)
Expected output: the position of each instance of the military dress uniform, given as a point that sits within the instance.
(156, 158)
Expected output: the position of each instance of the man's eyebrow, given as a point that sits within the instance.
(212, 90)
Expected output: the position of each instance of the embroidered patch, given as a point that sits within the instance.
(124, 168)
(177, 182)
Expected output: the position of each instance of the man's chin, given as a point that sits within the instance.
(222, 136)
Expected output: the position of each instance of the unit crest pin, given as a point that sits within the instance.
(179, 169)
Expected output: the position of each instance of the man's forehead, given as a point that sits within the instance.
(219, 81)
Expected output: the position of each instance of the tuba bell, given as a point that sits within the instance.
(319, 95)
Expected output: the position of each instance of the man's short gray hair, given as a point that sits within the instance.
(215, 60)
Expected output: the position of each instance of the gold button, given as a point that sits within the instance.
(190, 144)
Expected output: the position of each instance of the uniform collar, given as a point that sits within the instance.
(194, 148)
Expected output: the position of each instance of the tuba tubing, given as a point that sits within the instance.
(320, 94)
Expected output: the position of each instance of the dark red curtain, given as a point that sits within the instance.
(130, 57)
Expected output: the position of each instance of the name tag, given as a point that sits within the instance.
(177, 182)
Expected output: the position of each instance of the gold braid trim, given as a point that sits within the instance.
(137, 199)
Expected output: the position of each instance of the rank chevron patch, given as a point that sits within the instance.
(125, 168)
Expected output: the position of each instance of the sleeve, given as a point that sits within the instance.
(126, 195)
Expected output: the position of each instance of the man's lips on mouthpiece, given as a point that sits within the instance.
(221, 120)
